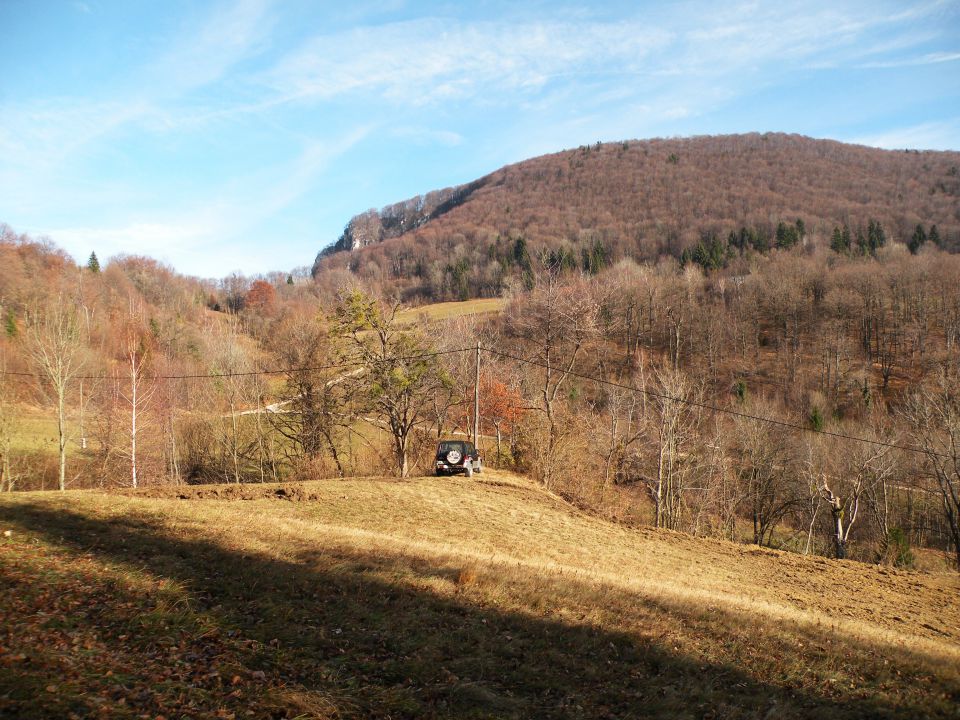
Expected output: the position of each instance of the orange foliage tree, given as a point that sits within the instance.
(261, 297)
(501, 405)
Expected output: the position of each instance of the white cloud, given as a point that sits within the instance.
(420, 61)
(35, 134)
(941, 135)
(229, 34)
(928, 59)
(427, 136)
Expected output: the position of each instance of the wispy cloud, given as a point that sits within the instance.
(203, 235)
(421, 61)
(938, 135)
(40, 132)
(229, 34)
(928, 59)
(426, 61)
(427, 136)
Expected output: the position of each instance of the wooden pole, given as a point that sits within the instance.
(476, 401)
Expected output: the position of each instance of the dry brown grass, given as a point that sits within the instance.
(451, 310)
(450, 583)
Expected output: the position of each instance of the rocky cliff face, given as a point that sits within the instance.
(374, 226)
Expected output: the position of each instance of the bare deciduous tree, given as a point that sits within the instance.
(556, 322)
(8, 426)
(858, 467)
(935, 417)
(141, 388)
(765, 468)
(54, 342)
(313, 408)
(674, 432)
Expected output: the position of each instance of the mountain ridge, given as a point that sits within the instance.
(647, 198)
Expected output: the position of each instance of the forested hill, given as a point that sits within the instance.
(643, 199)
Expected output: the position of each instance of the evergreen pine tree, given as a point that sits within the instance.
(10, 325)
(881, 235)
(520, 253)
(875, 236)
(733, 240)
(862, 244)
(787, 235)
(918, 238)
(289, 279)
(93, 265)
(781, 235)
(761, 243)
(934, 236)
(836, 242)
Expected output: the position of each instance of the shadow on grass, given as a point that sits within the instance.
(340, 633)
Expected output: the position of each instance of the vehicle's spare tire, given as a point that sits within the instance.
(453, 457)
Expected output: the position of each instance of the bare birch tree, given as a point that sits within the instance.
(674, 432)
(141, 388)
(54, 343)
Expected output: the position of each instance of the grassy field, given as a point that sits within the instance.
(450, 310)
(35, 430)
(443, 598)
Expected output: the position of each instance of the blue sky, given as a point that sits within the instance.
(243, 135)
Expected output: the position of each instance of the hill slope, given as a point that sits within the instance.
(641, 199)
(444, 598)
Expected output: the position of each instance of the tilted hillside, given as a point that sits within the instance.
(643, 199)
(443, 598)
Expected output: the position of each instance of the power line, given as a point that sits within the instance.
(528, 361)
(726, 411)
(281, 371)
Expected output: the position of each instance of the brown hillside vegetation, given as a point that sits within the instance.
(643, 199)
(443, 598)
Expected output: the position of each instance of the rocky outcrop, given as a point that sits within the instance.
(374, 226)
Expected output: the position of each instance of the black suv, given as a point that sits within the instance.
(456, 456)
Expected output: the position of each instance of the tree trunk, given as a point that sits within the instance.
(400, 450)
(62, 436)
(133, 418)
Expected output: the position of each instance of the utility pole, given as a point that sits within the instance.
(476, 402)
(83, 438)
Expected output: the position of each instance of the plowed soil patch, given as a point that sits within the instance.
(292, 492)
